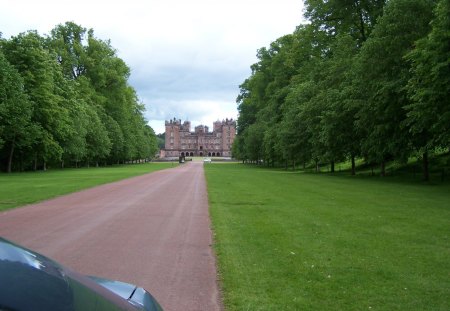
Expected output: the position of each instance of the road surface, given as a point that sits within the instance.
(152, 230)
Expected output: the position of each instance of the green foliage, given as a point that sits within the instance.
(16, 126)
(161, 140)
(39, 70)
(79, 106)
(290, 241)
(383, 74)
(428, 115)
(363, 79)
(345, 17)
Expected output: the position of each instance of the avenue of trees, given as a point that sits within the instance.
(366, 79)
(65, 101)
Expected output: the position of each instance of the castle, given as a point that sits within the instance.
(180, 141)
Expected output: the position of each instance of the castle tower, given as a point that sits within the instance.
(172, 137)
(228, 135)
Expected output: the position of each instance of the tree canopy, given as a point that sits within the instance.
(366, 78)
(65, 100)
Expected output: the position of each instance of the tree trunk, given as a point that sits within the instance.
(383, 169)
(62, 163)
(11, 153)
(332, 166)
(353, 166)
(293, 165)
(44, 168)
(361, 25)
(317, 166)
(426, 171)
(35, 164)
(21, 162)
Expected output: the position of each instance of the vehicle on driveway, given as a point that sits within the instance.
(206, 160)
(30, 281)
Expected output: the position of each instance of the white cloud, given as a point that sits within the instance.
(187, 58)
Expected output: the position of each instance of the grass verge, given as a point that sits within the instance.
(296, 241)
(18, 189)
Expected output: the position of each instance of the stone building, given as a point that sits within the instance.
(180, 141)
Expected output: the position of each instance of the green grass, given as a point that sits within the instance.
(299, 241)
(18, 189)
(412, 170)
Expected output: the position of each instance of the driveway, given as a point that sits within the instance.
(152, 230)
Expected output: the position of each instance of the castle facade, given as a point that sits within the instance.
(180, 141)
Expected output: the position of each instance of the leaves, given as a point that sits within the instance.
(341, 86)
(429, 87)
(65, 97)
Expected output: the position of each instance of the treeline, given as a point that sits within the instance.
(65, 100)
(365, 79)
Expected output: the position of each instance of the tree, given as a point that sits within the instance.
(428, 114)
(101, 82)
(16, 127)
(67, 42)
(161, 138)
(76, 104)
(382, 76)
(238, 148)
(254, 137)
(40, 71)
(337, 128)
(345, 17)
(98, 144)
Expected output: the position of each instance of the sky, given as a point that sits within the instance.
(187, 58)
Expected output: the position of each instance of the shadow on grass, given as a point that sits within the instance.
(410, 173)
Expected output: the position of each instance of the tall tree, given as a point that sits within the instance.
(383, 74)
(102, 81)
(339, 17)
(428, 114)
(16, 127)
(40, 72)
(337, 128)
(98, 144)
(67, 42)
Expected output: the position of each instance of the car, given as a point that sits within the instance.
(30, 281)
(207, 160)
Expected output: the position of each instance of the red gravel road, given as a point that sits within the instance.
(152, 230)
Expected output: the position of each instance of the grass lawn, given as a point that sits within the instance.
(301, 241)
(18, 189)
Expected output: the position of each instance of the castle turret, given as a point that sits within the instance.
(172, 137)
(228, 135)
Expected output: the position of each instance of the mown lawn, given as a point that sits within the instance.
(18, 189)
(297, 241)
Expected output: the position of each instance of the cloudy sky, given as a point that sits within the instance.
(187, 58)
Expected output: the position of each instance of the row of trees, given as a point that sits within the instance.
(64, 98)
(364, 78)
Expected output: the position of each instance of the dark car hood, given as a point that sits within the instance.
(136, 295)
(30, 281)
